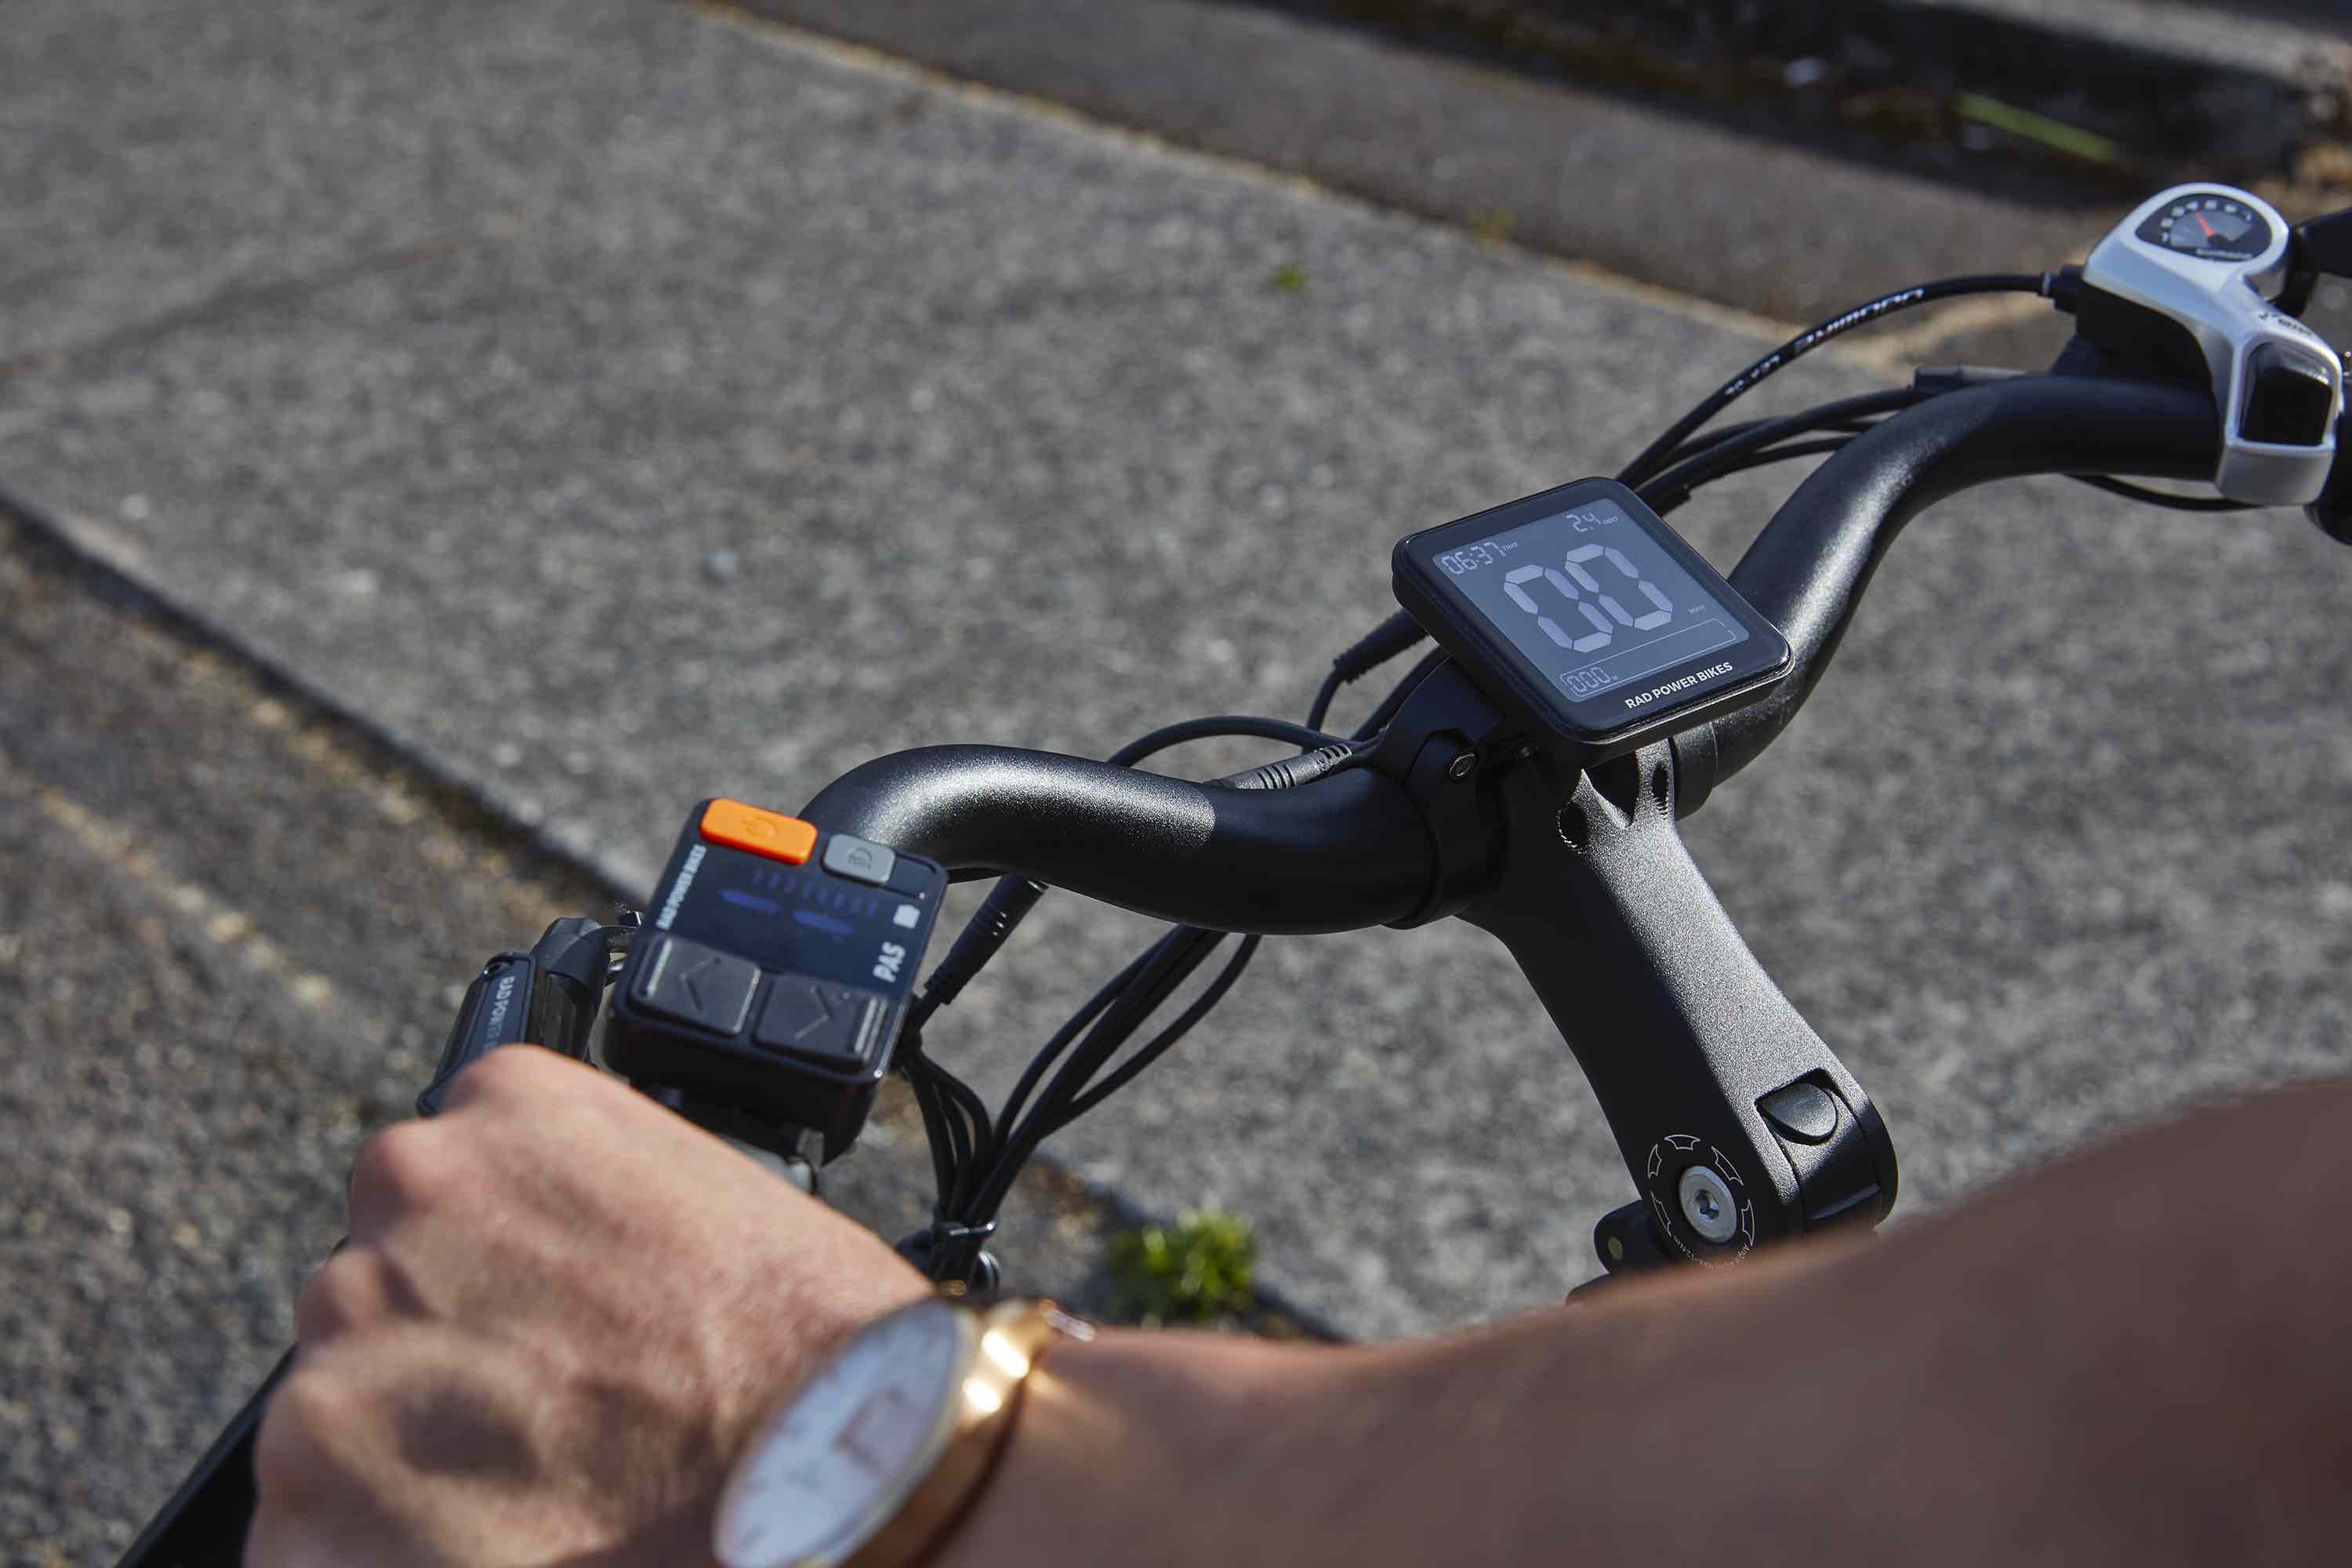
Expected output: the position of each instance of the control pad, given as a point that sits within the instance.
(775, 972)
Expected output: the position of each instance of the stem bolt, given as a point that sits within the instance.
(1463, 766)
(1707, 1204)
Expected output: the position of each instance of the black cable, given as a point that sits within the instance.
(980, 1147)
(927, 1075)
(1670, 491)
(1219, 725)
(959, 1141)
(1155, 973)
(982, 938)
(1647, 465)
(1210, 996)
(1180, 951)
(1171, 961)
(1119, 1008)
(1378, 718)
(955, 1114)
(1704, 440)
(1663, 500)
(2124, 487)
(955, 1119)
(1714, 461)
(1010, 902)
(1367, 653)
(966, 1098)
(1068, 1032)
(1148, 968)
(944, 1173)
(1320, 709)
(1711, 440)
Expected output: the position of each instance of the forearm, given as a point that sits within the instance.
(2063, 1370)
(1161, 1448)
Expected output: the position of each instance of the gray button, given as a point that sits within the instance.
(695, 984)
(854, 857)
(831, 1025)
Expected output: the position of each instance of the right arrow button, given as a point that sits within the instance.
(829, 1025)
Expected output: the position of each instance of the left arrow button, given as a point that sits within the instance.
(695, 984)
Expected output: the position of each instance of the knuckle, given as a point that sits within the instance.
(338, 1297)
(290, 1458)
(506, 1074)
(401, 1169)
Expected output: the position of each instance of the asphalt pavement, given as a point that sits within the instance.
(236, 930)
(595, 407)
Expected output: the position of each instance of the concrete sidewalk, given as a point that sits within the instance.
(2278, 36)
(620, 405)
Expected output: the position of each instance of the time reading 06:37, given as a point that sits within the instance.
(1583, 614)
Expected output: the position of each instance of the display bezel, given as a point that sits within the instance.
(1598, 727)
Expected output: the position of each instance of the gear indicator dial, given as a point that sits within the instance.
(2209, 226)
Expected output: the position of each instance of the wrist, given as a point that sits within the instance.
(1137, 1448)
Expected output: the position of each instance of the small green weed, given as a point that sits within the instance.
(1492, 226)
(1289, 278)
(1194, 1272)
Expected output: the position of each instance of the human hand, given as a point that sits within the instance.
(561, 1311)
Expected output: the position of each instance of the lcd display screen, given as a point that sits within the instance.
(1590, 598)
(1579, 612)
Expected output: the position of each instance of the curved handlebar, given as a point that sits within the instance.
(1352, 850)
(1340, 854)
(1807, 570)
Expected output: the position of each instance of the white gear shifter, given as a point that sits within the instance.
(2213, 260)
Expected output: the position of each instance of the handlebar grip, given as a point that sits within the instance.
(205, 1523)
(548, 997)
(2333, 510)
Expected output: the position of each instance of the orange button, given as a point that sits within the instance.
(769, 833)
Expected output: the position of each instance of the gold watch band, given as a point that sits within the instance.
(1012, 1338)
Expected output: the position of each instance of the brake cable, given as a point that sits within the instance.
(1653, 458)
(1119, 1009)
(1724, 456)
(2130, 492)
(965, 1141)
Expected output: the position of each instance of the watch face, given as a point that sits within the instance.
(839, 1457)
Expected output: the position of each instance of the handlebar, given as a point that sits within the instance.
(1354, 850)
(1340, 854)
(1807, 570)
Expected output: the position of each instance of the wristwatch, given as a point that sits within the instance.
(868, 1463)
